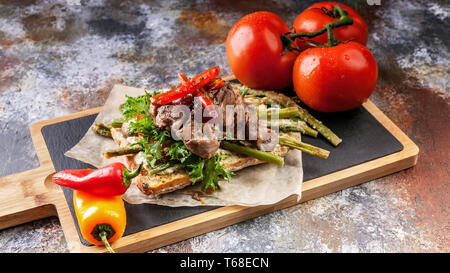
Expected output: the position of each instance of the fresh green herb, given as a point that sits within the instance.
(213, 172)
(195, 171)
(135, 106)
(178, 151)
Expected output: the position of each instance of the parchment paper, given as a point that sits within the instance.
(262, 184)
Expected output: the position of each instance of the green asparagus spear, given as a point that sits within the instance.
(117, 122)
(294, 111)
(307, 148)
(102, 126)
(105, 130)
(287, 112)
(304, 130)
(264, 156)
(295, 126)
(318, 125)
(102, 130)
(123, 151)
(160, 168)
(245, 91)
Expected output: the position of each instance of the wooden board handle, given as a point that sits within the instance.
(26, 196)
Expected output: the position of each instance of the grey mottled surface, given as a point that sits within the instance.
(60, 57)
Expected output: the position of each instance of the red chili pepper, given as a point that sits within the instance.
(112, 179)
(189, 87)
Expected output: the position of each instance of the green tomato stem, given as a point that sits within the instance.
(288, 38)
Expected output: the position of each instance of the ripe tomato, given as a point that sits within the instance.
(314, 19)
(335, 79)
(254, 52)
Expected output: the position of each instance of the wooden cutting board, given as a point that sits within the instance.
(372, 147)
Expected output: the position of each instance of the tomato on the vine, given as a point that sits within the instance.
(254, 52)
(318, 15)
(338, 78)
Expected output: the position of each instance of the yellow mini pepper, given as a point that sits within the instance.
(102, 219)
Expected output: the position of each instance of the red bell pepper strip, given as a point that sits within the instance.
(199, 94)
(189, 87)
(203, 98)
(110, 180)
(182, 77)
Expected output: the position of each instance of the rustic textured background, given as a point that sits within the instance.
(60, 57)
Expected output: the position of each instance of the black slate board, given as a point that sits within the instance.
(364, 139)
